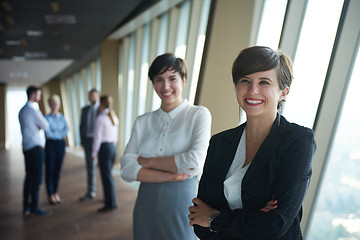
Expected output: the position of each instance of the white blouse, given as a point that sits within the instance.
(183, 133)
(235, 175)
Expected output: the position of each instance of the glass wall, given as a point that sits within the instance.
(74, 91)
(337, 209)
(312, 60)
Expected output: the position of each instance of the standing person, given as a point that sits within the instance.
(87, 125)
(166, 153)
(31, 122)
(256, 175)
(105, 138)
(54, 149)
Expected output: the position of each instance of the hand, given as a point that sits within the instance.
(200, 213)
(145, 162)
(179, 177)
(271, 205)
(92, 159)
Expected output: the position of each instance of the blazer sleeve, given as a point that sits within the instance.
(203, 232)
(292, 180)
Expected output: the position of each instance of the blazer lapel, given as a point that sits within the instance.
(230, 146)
(263, 154)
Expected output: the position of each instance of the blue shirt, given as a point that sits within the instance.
(31, 122)
(58, 127)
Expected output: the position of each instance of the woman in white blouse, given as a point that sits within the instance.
(166, 153)
(105, 138)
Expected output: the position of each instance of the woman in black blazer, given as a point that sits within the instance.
(256, 175)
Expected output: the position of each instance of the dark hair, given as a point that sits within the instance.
(93, 90)
(30, 90)
(260, 59)
(167, 61)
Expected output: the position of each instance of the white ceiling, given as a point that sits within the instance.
(36, 72)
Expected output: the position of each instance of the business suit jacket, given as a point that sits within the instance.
(83, 124)
(281, 170)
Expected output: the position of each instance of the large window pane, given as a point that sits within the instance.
(271, 23)
(337, 208)
(182, 31)
(81, 89)
(75, 108)
(98, 74)
(144, 70)
(161, 48)
(312, 59)
(130, 89)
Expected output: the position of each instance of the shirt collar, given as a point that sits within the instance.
(173, 113)
(105, 111)
(96, 105)
(33, 105)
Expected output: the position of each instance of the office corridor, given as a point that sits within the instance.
(70, 220)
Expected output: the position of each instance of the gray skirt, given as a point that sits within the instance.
(161, 210)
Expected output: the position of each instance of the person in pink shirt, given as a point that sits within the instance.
(105, 138)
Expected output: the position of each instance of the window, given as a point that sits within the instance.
(144, 69)
(161, 48)
(271, 23)
(337, 207)
(130, 89)
(311, 60)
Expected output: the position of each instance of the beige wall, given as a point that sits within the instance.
(217, 91)
(52, 87)
(109, 74)
(109, 71)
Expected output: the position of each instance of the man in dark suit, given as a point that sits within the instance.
(87, 125)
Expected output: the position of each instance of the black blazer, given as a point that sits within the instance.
(281, 170)
(83, 123)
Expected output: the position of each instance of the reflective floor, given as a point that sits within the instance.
(70, 220)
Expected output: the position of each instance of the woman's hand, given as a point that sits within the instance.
(271, 205)
(145, 162)
(179, 177)
(200, 213)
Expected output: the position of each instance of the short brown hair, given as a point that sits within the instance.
(260, 59)
(167, 61)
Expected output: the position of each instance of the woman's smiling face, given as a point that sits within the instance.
(168, 87)
(259, 93)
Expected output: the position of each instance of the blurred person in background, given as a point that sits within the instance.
(87, 126)
(104, 148)
(54, 149)
(31, 122)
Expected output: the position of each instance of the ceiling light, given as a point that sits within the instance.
(34, 33)
(35, 55)
(60, 19)
(66, 47)
(13, 42)
(18, 75)
(18, 58)
(54, 6)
